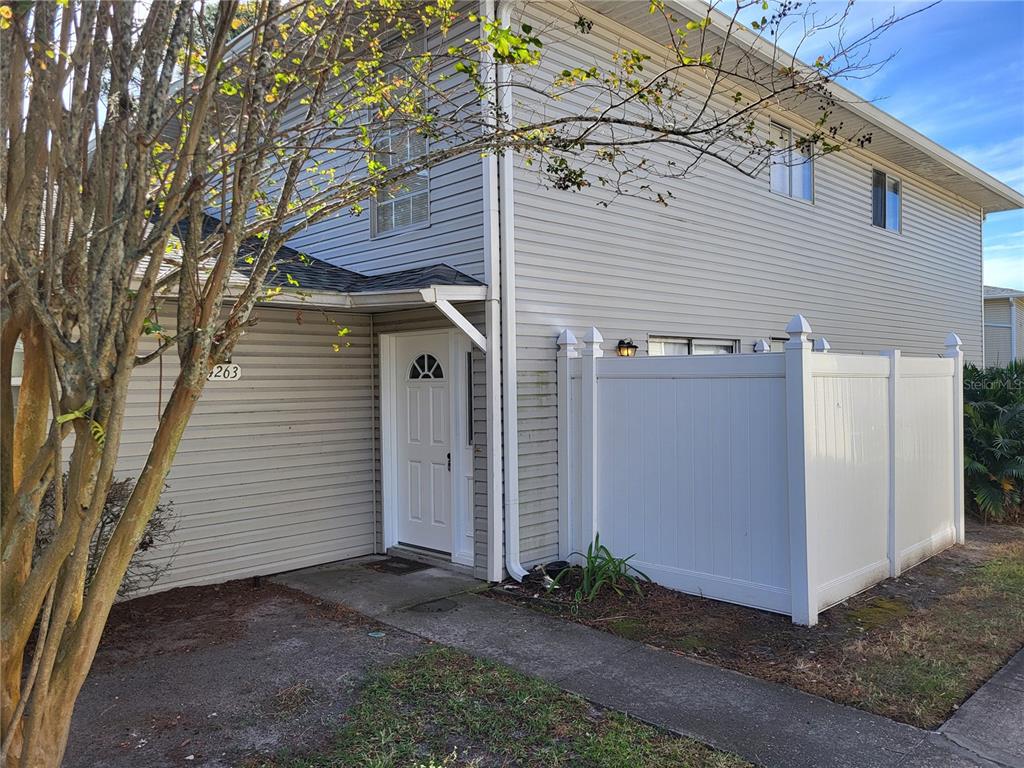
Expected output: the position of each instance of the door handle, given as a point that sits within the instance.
(449, 462)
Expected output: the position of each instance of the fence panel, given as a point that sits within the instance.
(786, 482)
(692, 473)
(925, 521)
(848, 473)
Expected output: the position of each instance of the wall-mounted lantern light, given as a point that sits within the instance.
(626, 348)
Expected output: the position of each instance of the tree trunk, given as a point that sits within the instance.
(49, 721)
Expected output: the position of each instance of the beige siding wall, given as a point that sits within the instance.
(281, 470)
(726, 259)
(1019, 352)
(275, 470)
(997, 312)
(999, 335)
(997, 346)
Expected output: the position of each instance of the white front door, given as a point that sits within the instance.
(424, 441)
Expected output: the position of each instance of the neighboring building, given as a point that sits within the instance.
(435, 426)
(1004, 325)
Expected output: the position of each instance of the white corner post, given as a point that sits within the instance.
(803, 579)
(566, 352)
(588, 436)
(892, 548)
(954, 352)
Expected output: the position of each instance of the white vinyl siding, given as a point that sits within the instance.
(999, 331)
(275, 471)
(1019, 352)
(453, 209)
(726, 259)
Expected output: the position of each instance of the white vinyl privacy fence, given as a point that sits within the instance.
(784, 481)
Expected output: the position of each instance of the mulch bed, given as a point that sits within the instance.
(885, 650)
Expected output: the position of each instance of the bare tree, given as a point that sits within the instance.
(129, 128)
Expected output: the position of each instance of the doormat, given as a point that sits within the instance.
(397, 566)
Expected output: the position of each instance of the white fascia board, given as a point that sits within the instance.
(371, 300)
(694, 9)
(454, 293)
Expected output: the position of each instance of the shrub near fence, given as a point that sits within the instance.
(994, 442)
(782, 481)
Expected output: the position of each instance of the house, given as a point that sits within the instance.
(434, 430)
(1004, 325)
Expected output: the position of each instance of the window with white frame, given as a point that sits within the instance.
(407, 203)
(663, 346)
(792, 167)
(886, 201)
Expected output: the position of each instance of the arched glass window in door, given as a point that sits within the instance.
(425, 367)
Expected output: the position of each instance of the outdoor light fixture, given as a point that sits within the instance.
(626, 348)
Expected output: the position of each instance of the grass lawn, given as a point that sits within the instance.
(444, 708)
(912, 648)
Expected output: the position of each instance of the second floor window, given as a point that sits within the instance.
(406, 204)
(886, 201)
(792, 167)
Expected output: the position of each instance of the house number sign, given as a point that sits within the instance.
(225, 372)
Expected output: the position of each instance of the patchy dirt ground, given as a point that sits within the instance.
(212, 676)
(911, 648)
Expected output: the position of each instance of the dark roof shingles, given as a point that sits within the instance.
(313, 274)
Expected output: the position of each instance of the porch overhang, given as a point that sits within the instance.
(444, 297)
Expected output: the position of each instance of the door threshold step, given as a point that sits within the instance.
(429, 557)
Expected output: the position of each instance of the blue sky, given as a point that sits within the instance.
(957, 76)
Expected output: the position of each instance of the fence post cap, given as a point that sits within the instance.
(762, 345)
(798, 325)
(953, 341)
(592, 336)
(566, 338)
(821, 344)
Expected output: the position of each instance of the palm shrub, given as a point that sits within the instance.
(994, 442)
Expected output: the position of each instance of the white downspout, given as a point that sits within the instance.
(510, 389)
(1015, 353)
(492, 328)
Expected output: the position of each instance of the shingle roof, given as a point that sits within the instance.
(313, 274)
(994, 292)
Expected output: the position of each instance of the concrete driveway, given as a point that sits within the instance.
(214, 676)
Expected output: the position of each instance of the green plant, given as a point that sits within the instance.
(602, 569)
(994, 442)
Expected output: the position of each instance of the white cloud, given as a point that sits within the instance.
(1004, 160)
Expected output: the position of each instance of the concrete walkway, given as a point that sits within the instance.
(991, 722)
(772, 725)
